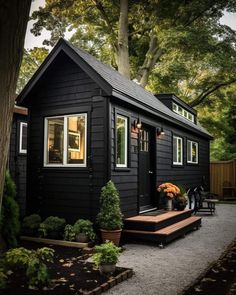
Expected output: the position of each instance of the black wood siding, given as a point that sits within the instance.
(70, 192)
(17, 162)
(126, 180)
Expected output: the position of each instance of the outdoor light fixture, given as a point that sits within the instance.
(160, 131)
(137, 124)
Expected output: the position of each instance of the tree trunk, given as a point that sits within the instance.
(14, 16)
(152, 55)
(123, 47)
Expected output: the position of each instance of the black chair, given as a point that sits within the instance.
(204, 201)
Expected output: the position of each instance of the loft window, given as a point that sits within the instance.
(65, 140)
(177, 150)
(23, 138)
(121, 141)
(182, 112)
(192, 152)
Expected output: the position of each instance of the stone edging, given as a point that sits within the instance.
(111, 283)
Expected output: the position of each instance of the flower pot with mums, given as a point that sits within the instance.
(171, 191)
(110, 218)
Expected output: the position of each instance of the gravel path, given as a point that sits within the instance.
(170, 270)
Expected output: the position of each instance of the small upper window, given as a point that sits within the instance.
(23, 138)
(177, 150)
(121, 141)
(65, 140)
(192, 152)
(182, 112)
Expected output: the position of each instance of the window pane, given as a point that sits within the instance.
(76, 139)
(55, 140)
(175, 107)
(194, 152)
(121, 137)
(179, 150)
(189, 151)
(174, 149)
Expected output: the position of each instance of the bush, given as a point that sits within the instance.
(110, 217)
(69, 234)
(106, 254)
(10, 224)
(83, 226)
(3, 279)
(52, 227)
(30, 224)
(33, 264)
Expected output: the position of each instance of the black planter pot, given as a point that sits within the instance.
(180, 206)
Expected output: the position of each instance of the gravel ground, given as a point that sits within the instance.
(168, 271)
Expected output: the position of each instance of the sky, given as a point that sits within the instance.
(32, 41)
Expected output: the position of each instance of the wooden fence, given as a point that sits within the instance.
(222, 173)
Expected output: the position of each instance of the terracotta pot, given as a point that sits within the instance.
(111, 235)
(107, 268)
(81, 238)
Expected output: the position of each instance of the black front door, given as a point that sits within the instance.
(146, 171)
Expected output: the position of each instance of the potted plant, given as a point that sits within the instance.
(83, 230)
(110, 217)
(171, 191)
(30, 225)
(52, 227)
(106, 256)
(181, 199)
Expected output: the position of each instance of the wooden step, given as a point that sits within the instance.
(169, 233)
(156, 222)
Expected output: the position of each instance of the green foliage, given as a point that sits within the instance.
(32, 262)
(83, 226)
(10, 224)
(69, 234)
(3, 279)
(52, 227)
(110, 217)
(31, 223)
(106, 253)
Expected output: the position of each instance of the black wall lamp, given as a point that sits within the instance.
(160, 131)
(137, 124)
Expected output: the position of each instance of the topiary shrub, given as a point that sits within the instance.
(30, 225)
(10, 213)
(52, 227)
(110, 217)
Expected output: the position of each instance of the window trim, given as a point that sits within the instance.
(125, 165)
(177, 163)
(197, 157)
(21, 150)
(65, 141)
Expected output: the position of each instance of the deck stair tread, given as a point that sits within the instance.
(169, 229)
(157, 218)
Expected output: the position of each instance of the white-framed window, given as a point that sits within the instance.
(65, 141)
(182, 112)
(192, 152)
(121, 141)
(23, 138)
(177, 150)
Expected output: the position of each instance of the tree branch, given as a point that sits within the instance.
(209, 91)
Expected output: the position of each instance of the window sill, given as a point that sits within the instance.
(122, 169)
(178, 166)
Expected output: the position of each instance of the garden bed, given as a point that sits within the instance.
(70, 274)
(219, 279)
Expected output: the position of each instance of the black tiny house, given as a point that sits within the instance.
(89, 124)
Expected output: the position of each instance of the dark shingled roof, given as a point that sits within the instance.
(119, 85)
(131, 88)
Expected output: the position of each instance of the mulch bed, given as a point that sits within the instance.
(220, 279)
(70, 274)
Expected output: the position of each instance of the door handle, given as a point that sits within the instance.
(150, 172)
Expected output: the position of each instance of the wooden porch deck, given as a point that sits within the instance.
(162, 228)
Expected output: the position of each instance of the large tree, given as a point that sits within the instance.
(139, 37)
(14, 16)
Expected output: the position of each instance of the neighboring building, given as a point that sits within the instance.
(17, 154)
(89, 124)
